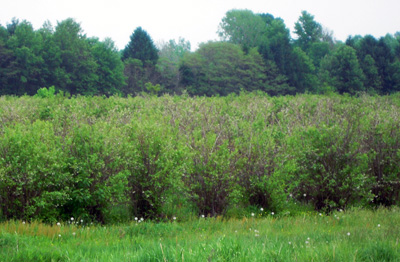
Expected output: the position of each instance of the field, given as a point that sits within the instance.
(356, 235)
(276, 178)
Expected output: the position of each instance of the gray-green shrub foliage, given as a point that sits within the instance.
(84, 156)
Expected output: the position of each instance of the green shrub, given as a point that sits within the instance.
(330, 168)
(33, 183)
(97, 170)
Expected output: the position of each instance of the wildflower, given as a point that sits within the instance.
(348, 233)
(290, 243)
(136, 218)
(304, 195)
(257, 235)
(23, 222)
(202, 216)
(59, 235)
(72, 219)
(141, 218)
(262, 209)
(379, 225)
(272, 213)
(252, 214)
(58, 224)
(291, 195)
(320, 214)
(307, 242)
(73, 233)
(81, 220)
(174, 218)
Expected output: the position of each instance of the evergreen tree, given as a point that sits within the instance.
(141, 47)
(342, 71)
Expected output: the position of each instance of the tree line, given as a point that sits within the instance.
(255, 52)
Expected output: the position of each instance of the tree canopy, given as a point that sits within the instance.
(255, 52)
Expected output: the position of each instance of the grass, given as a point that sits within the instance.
(356, 235)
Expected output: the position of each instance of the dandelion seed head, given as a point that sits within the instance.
(262, 209)
(58, 224)
(72, 219)
(252, 214)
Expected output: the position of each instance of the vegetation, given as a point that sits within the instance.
(111, 159)
(256, 52)
(343, 236)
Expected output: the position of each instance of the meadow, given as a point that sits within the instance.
(239, 178)
(354, 235)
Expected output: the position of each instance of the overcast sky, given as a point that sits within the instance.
(197, 21)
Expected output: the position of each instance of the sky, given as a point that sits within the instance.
(197, 21)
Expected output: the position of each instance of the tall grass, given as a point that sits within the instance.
(355, 235)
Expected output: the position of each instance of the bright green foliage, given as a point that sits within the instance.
(111, 159)
(33, 183)
(140, 47)
(355, 235)
(242, 27)
(46, 93)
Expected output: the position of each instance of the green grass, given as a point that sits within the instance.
(357, 235)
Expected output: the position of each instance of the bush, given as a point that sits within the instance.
(33, 183)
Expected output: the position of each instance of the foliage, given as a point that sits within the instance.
(140, 47)
(94, 157)
(209, 71)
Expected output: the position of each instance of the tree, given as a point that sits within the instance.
(77, 70)
(110, 68)
(373, 82)
(342, 71)
(242, 27)
(170, 57)
(25, 67)
(307, 30)
(220, 68)
(140, 47)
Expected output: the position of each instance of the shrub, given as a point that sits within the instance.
(33, 183)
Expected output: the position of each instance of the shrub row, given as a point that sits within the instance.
(150, 156)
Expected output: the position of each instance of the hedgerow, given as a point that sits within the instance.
(153, 156)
